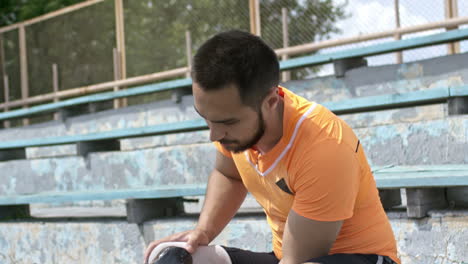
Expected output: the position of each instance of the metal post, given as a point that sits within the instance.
(455, 14)
(399, 54)
(178, 94)
(24, 69)
(188, 46)
(55, 83)
(2, 57)
(254, 7)
(286, 75)
(120, 39)
(451, 11)
(117, 76)
(6, 124)
(252, 13)
(257, 18)
(2, 71)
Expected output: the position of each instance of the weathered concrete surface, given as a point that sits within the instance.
(109, 170)
(440, 239)
(438, 72)
(65, 242)
(359, 120)
(396, 116)
(420, 135)
(429, 142)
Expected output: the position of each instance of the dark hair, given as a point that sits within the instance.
(240, 58)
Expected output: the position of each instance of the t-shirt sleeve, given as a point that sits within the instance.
(221, 149)
(326, 181)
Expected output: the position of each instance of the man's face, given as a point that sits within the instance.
(236, 126)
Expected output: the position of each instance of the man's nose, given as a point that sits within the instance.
(216, 132)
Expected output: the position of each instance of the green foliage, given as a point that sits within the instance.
(81, 42)
(308, 21)
(155, 29)
(14, 11)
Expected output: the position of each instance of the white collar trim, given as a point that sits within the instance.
(298, 124)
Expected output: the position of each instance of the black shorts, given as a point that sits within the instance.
(240, 256)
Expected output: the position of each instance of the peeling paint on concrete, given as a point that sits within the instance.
(51, 151)
(367, 81)
(411, 71)
(408, 136)
(438, 239)
(113, 242)
(427, 142)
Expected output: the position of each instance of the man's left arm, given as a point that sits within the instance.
(304, 238)
(325, 185)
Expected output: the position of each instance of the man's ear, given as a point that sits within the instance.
(272, 99)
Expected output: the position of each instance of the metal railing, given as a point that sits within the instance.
(119, 53)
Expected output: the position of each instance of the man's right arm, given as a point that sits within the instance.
(224, 196)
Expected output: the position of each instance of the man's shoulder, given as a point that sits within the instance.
(323, 137)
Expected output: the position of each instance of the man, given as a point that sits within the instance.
(302, 163)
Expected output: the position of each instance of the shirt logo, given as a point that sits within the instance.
(283, 186)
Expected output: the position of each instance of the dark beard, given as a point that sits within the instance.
(252, 142)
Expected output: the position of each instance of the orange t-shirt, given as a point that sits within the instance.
(319, 170)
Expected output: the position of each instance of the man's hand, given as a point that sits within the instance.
(193, 238)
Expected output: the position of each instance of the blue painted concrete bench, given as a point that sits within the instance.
(109, 141)
(344, 60)
(141, 203)
(426, 188)
(141, 207)
(377, 49)
(421, 176)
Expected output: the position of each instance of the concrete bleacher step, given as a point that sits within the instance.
(110, 140)
(442, 141)
(442, 235)
(421, 135)
(193, 206)
(142, 204)
(344, 61)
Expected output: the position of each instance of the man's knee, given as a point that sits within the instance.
(174, 253)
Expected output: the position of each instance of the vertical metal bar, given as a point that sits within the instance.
(115, 51)
(399, 54)
(120, 39)
(451, 11)
(120, 35)
(286, 75)
(24, 69)
(3, 74)
(188, 46)
(117, 71)
(55, 83)
(2, 57)
(448, 14)
(252, 13)
(456, 45)
(257, 18)
(6, 123)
